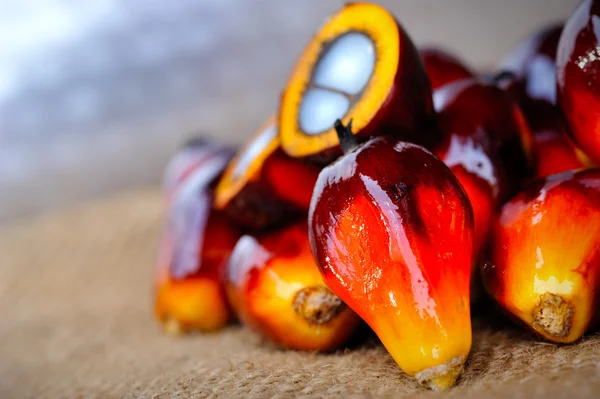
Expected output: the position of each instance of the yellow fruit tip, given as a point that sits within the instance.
(553, 316)
(442, 377)
(172, 327)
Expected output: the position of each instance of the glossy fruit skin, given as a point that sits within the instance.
(487, 119)
(578, 77)
(391, 229)
(478, 187)
(545, 250)
(557, 153)
(534, 83)
(196, 243)
(442, 67)
(197, 301)
(279, 195)
(264, 277)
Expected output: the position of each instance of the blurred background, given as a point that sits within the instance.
(96, 95)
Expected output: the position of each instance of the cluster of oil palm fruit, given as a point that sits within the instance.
(390, 184)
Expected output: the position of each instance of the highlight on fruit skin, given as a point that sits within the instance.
(361, 65)
(544, 260)
(391, 229)
(189, 294)
(495, 124)
(577, 71)
(557, 153)
(442, 67)
(262, 187)
(277, 291)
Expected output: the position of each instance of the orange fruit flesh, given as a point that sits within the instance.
(381, 27)
(287, 179)
(232, 183)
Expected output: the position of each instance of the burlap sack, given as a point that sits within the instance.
(75, 301)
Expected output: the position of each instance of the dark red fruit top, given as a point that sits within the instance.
(493, 123)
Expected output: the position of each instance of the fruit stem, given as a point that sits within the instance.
(553, 317)
(317, 304)
(345, 136)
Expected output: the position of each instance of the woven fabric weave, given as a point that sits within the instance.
(76, 299)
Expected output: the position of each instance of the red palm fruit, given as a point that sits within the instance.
(578, 77)
(277, 291)
(360, 65)
(557, 153)
(487, 144)
(544, 260)
(442, 67)
(391, 229)
(533, 66)
(262, 187)
(196, 244)
(494, 124)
